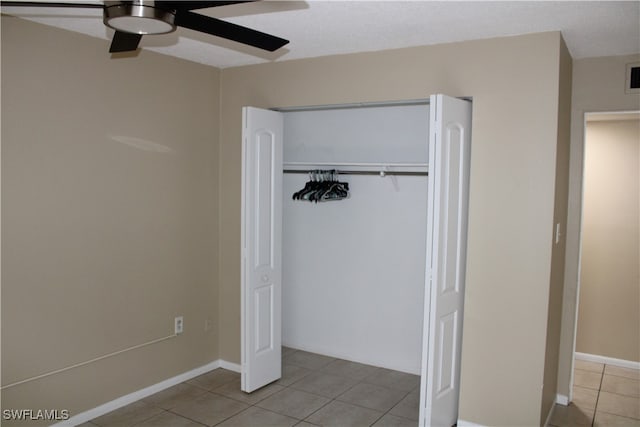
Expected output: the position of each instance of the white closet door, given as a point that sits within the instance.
(449, 149)
(261, 247)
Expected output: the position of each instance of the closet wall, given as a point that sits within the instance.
(353, 270)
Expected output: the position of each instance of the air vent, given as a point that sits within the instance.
(632, 83)
(635, 78)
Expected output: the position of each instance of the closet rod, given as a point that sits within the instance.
(348, 172)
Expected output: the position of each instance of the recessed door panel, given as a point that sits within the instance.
(452, 179)
(446, 372)
(264, 318)
(264, 152)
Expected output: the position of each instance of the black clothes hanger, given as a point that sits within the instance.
(323, 186)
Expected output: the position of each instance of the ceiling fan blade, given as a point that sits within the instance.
(124, 42)
(52, 4)
(191, 5)
(227, 30)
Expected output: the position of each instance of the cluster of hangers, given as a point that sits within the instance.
(323, 186)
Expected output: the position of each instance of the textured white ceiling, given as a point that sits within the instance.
(319, 28)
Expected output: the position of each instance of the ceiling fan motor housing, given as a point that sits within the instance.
(138, 17)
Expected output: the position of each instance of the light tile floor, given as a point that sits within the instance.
(603, 395)
(314, 390)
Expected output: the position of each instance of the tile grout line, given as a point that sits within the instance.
(319, 370)
(181, 416)
(595, 410)
(599, 391)
(206, 389)
(610, 392)
(620, 416)
(622, 376)
(143, 420)
(285, 387)
(332, 399)
(294, 389)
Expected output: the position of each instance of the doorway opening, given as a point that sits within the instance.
(606, 331)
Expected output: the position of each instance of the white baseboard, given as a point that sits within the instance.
(235, 367)
(415, 370)
(607, 360)
(463, 423)
(85, 416)
(561, 399)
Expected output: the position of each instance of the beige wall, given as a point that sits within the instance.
(515, 84)
(104, 242)
(554, 316)
(109, 216)
(609, 307)
(598, 85)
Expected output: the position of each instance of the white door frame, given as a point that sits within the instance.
(575, 307)
(243, 279)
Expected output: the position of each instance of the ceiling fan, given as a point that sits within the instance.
(133, 19)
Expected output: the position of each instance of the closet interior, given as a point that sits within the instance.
(354, 221)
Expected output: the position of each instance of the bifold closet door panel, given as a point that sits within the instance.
(354, 271)
(261, 233)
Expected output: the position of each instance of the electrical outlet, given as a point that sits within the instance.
(178, 325)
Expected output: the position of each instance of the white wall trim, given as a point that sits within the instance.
(235, 367)
(607, 360)
(561, 399)
(463, 423)
(145, 392)
(352, 358)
